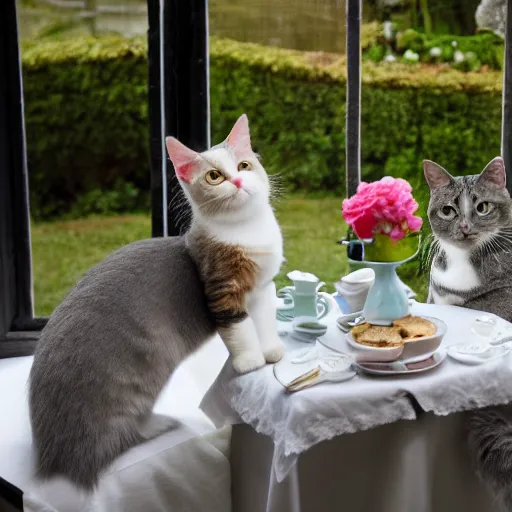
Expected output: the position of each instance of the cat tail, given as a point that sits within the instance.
(82, 456)
(490, 442)
(84, 450)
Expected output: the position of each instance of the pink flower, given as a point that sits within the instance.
(386, 206)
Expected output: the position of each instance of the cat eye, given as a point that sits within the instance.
(447, 212)
(244, 165)
(214, 177)
(483, 208)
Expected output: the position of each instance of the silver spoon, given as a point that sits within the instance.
(358, 320)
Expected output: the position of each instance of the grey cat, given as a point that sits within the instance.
(110, 347)
(107, 352)
(471, 218)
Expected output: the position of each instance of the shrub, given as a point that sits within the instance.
(467, 53)
(87, 117)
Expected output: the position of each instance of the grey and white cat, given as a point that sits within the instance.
(471, 218)
(110, 347)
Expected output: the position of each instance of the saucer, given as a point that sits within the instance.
(309, 325)
(477, 353)
(334, 368)
(303, 337)
(404, 367)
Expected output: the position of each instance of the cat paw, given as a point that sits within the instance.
(274, 352)
(248, 362)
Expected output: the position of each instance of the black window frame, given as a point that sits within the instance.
(178, 69)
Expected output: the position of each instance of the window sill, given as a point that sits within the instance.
(16, 344)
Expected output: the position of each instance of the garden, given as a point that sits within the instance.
(426, 94)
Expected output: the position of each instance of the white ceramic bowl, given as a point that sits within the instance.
(409, 350)
(428, 344)
(374, 354)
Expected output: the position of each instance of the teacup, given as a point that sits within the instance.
(354, 288)
(303, 299)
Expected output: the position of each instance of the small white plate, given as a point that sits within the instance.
(473, 349)
(477, 353)
(340, 365)
(404, 367)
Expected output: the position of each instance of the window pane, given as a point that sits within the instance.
(301, 24)
(296, 103)
(87, 135)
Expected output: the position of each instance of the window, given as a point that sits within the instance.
(179, 106)
(178, 77)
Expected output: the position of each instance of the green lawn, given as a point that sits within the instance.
(63, 251)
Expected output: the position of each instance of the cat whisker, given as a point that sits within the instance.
(506, 242)
(499, 244)
(432, 250)
(493, 247)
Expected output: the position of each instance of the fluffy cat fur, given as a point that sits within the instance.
(471, 218)
(235, 237)
(110, 347)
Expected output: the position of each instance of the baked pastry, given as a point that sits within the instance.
(404, 329)
(377, 335)
(414, 327)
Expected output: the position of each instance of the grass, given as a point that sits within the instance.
(63, 251)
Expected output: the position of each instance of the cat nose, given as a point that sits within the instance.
(465, 228)
(237, 182)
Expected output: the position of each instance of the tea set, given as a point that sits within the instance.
(304, 306)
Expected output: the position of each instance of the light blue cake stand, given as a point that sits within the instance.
(387, 299)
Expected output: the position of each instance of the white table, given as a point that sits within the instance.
(386, 463)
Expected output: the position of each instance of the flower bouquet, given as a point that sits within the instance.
(383, 212)
(382, 216)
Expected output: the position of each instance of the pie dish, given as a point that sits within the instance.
(408, 338)
(415, 327)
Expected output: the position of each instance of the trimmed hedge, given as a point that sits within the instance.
(87, 117)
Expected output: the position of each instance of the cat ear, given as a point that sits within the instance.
(184, 159)
(239, 139)
(494, 173)
(435, 175)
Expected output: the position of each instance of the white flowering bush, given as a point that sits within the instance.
(466, 53)
(410, 56)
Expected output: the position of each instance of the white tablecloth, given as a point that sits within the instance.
(406, 466)
(297, 422)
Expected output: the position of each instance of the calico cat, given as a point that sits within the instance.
(471, 219)
(234, 237)
(110, 347)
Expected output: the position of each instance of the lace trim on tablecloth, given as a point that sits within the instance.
(278, 420)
